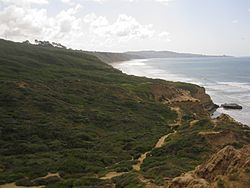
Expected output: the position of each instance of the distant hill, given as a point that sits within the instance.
(112, 57)
(109, 57)
(163, 54)
(167, 54)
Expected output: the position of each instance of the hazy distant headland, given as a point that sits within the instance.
(109, 57)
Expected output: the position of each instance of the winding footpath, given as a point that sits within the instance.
(137, 166)
(160, 143)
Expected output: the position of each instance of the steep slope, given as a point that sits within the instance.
(67, 119)
(109, 57)
(227, 168)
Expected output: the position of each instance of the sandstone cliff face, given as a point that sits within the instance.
(227, 168)
(205, 99)
(163, 92)
(192, 99)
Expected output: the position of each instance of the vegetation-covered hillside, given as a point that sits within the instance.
(66, 113)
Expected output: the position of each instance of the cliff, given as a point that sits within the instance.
(229, 167)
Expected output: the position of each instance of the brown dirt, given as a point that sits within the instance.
(137, 167)
(161, 141)
(111, 175)
(22, 84)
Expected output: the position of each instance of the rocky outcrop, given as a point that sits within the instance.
(189, 180)
(165, 93)
(205, 99)
(229, 168)
(225, 162)
(220, 139)
(191, 99)
(225, 118)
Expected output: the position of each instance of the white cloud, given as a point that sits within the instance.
(160, 1)
(163, 1)
(95, 21)
(235, 21)
(124, 28)
(25, 2)
(69, 2)
(164, 36)
(21, 23)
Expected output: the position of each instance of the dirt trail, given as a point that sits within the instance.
(179, 116)
(51, 175)
(111, 175)
(161, 141)
(159, 144)
(137, 167)
(192, 123)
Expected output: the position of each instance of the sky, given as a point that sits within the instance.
(212, 27)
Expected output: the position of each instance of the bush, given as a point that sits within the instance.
(73, 165)
(220, 183)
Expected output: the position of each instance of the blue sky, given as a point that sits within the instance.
(197, 26)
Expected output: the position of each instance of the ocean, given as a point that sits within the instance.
(226, 79)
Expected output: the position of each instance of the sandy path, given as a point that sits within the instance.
(111, 175)
(159, 144)
(51, 174)
(179, 116)
(137, 167)
(192, 123)
(161, 141)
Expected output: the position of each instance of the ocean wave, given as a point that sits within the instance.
(241, 85)
(228, 87)
(139, 68)
(220, 91)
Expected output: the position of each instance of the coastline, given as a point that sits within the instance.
(156, 73)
